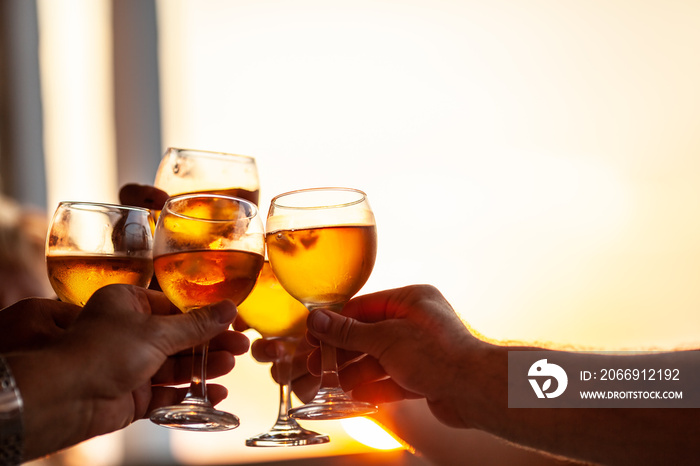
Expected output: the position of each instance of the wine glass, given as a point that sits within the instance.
(198, 171)
(207, 248)
(184, 171)
(271, 311)
(322, 244)
(90, 245)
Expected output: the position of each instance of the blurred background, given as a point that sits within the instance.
(537, 161)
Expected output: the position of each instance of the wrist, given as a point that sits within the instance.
(489, 387)
(11, 423)
(480, 383)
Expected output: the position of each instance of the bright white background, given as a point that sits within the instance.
(537, 161)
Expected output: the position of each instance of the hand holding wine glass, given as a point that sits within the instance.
(322, 245)
(90, 245)
(208, 248)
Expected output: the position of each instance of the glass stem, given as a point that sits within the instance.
(330, 382)
(284, 372)
(285, 404)
(329, 366)
(197, 393)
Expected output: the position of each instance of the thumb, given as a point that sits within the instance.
(346, 332)
(200, 325)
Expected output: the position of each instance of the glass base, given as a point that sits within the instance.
(291, 437)
(194, 418)
(332, 403)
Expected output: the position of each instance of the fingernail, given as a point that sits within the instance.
(226, 311)
(320, 321)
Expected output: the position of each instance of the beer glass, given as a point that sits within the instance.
(322, 245)
(207, 248)
(90, 245)
(271, 311)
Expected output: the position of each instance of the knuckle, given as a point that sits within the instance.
(346, 331)
(199, 322)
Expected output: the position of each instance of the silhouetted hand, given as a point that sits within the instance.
(114, 363)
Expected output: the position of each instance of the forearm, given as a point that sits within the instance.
(604, 435)
(412, 422)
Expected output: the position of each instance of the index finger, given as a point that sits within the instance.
(375, 307)
(396, 303)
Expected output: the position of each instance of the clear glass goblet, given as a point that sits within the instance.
(207, 248)
(322, 245)
(90, 245)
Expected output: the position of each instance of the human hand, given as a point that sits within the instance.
(34, 322)
(304, 384)
(113, 364)
(142, 195)
(415, 346)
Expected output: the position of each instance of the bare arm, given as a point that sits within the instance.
(418, 347)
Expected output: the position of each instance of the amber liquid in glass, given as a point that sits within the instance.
(197, 278)
(325, 265)
(76, 277)
(270, 310)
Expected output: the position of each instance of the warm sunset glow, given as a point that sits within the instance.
(368, 432)
(98, 451)
(535, 162)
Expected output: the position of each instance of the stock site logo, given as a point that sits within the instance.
(544, 371)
